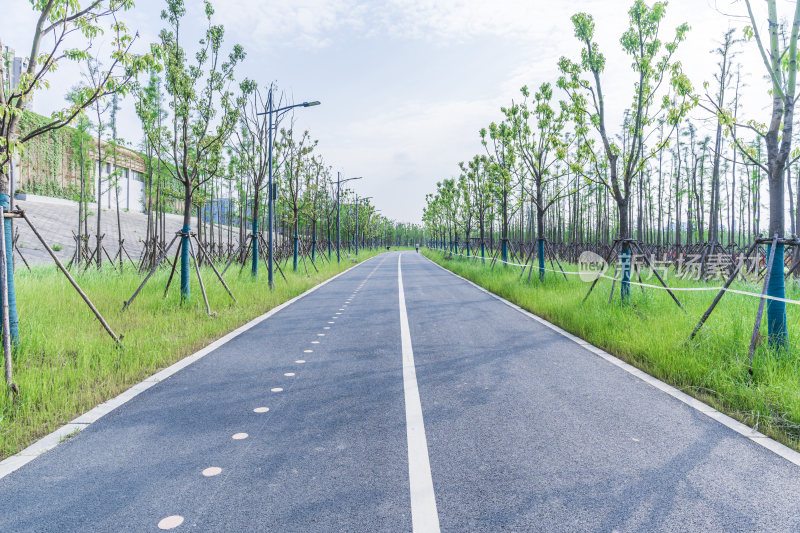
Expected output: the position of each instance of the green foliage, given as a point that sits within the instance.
(651, 103)
(51, 188)
(202, 104)
(57, 19)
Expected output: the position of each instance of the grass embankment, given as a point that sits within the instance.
(652, 334)
(66, 363)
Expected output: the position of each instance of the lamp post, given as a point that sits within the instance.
(274, 116)
(339, 182)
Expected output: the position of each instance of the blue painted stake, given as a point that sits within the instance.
(541, 258)
(625, 284)
(254, 264)
(296, 239)
(13, 318)
(776, 311)
(185, 258)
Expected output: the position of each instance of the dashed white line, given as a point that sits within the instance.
(424, 515)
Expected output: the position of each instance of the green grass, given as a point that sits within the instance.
(66, 363)
(652, 334)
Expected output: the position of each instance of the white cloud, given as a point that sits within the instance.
(459, 19)
(300, 23)
(311, 23)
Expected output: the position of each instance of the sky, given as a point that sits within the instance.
(406, 85)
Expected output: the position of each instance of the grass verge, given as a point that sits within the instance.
(66, 363)
(651, 333)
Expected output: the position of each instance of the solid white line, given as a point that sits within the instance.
(52, 440)
(424, 516)
(733, 424)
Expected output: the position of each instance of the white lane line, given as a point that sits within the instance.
(424, 516)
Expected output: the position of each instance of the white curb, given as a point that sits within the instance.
(742, 429)
(52, 440)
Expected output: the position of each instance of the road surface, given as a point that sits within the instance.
(401, 397)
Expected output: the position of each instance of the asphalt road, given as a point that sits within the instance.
(428, 404)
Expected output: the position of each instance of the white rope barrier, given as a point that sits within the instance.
(648, 285)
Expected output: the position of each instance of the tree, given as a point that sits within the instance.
(203, 112)
(539, 143)
(151, 113)
(780, 62)
(466, 217)
(58, 21)
(653, 63)
(296, 160)
(93, 77)
(81, 125)
(480, 192)
(253, 150)
(500, 163)
(723, 77)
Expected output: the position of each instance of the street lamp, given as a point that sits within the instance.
(273, 193)
(339, 182)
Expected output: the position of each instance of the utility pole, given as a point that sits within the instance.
(271, 194)
(270, 111)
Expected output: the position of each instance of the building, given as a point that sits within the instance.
(13, 68)
(19, 66)
(50, 166)
(8, 56)
(123, 180)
